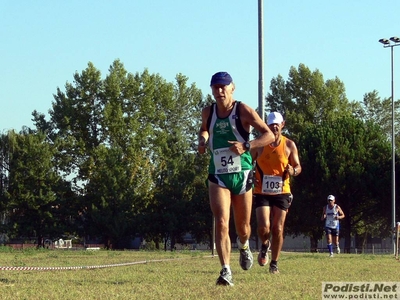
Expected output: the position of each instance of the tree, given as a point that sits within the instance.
(315, 111)
(4, 170)
(114, 193)
(379, 111)
(174, 156)
(349, 158)
(124, 141)
(305, 98)
(32, 192)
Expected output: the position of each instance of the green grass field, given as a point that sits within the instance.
(179, 275)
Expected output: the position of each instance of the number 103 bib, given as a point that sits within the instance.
(272, 184)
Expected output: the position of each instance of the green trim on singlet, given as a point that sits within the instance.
(224, 130)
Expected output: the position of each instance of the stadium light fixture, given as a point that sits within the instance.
(384, 41)
(395, 39)
(393, 42)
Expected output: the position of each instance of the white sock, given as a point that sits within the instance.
(242, 246)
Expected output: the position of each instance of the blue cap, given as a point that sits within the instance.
(221, 78)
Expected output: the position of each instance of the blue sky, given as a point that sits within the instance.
(43, 43)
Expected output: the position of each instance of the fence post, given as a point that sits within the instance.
(397, 239)
(213, 237)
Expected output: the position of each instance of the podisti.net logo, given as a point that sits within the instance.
(360, 290)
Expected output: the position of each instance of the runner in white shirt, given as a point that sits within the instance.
(332, 213)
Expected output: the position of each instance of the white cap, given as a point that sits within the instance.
(274, 118)
(331, 197)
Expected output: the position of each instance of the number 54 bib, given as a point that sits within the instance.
(226, 161)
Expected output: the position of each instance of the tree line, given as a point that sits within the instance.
(117, 158)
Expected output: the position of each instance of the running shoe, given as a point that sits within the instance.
(245, 258)
(337, 250)
(263, 256)
(225, 278)
(331, 254)
(273, 269)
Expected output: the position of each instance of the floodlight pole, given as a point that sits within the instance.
(394, 41)
(260, 61)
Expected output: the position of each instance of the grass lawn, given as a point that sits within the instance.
(178, 275)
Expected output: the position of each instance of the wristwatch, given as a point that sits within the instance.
(246, 146)
(294, 171)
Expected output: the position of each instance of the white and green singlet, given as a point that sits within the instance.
(222, 130)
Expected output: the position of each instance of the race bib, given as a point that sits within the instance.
(272, 184)
(331, 222)
(226, 161)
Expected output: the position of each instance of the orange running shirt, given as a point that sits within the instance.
(270, 167)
